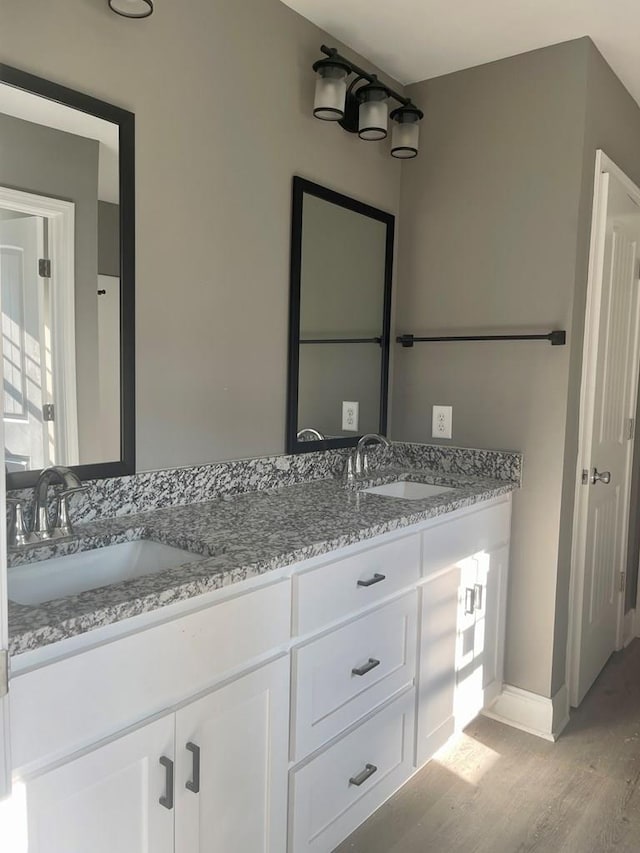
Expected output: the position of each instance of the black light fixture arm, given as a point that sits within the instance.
(361, 74)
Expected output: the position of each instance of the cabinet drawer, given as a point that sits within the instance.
(342, 676)
(336, 589)
(451, 541)
(326, 801)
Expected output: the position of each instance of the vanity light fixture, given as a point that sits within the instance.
(131, 8)
(363, 109)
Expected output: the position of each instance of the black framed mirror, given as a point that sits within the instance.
(339, 319)
(67, 280)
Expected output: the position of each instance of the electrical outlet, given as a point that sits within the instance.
(441, 421)
(350, 416)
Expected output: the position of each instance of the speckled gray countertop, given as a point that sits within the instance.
(239, 536)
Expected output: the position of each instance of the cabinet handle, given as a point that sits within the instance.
(375, 579)
(369, 770)
(478, 590)
(469, 601)
(372, 663)
(194, 784)
(167, 800)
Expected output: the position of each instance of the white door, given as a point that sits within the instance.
(5, 757)
(24, 295)
(109, 799)
(231, 766)
(608, 402)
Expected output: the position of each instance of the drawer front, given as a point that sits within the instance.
(91, 695)
(342, 676)
(335, 590)
(452, 541)
(342, 786)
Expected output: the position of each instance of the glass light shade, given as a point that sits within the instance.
(404, 139)
(331, 91)
(372, 120)
(132, 8)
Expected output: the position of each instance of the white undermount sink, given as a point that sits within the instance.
(58, 577)
(408, 490)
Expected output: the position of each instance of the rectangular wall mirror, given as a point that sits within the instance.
(66, 280)
(339, 321)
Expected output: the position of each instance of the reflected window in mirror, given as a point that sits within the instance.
(66, 280)
(340, 301)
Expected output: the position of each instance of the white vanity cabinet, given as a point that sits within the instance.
(211, 777)
(282, 712)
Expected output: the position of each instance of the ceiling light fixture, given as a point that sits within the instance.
(132, 8)
(363, 109)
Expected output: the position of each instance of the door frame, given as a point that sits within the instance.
(60, 216)
(603, 164)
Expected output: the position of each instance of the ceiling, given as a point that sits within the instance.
(414, 40)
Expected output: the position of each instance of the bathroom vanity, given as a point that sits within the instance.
(273, 709)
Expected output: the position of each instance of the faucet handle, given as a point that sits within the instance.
(19, 534)
(63, 526)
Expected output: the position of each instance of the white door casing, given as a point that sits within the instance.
(607, 406)
(5, 756)
(60, 217)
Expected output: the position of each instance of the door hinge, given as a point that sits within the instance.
(44, 268)
(622, 579)
(631, 428)
(585, 476)
(4, 672)
(48, 412)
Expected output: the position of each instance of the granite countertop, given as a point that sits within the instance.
(239, 537)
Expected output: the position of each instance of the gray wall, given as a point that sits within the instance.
(49, 162)
(223, 98)
(489, 216)
(612, 122)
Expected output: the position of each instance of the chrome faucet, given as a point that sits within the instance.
(310, 434)
(71, 485)
(358, 461)
(41, 528)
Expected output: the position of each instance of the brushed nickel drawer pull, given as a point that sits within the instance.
(167, 800)
(372, 663)
(478, 589)
(469, 600)
(369, 770)
(375, 579)
(193, 784)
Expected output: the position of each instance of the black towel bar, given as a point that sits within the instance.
(556, 338)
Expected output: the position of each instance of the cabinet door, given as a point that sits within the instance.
(231, 766)
(469, 675)
(437, 663)
(109, 799)
(490, 606)
(481, 622)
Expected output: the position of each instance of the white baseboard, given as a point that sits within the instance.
(529, 712)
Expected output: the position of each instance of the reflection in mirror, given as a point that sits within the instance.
(66, 280)
(339, 322)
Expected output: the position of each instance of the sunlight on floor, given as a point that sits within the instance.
(472, 758)
(13, 821)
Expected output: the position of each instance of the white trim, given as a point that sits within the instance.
(5, 731)
(61, 219)
(531, 713)
(604, 168)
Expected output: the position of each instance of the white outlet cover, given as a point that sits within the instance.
(441, 422)
(350, 415)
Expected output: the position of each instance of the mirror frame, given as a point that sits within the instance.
(126, 156)
(302, 187)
